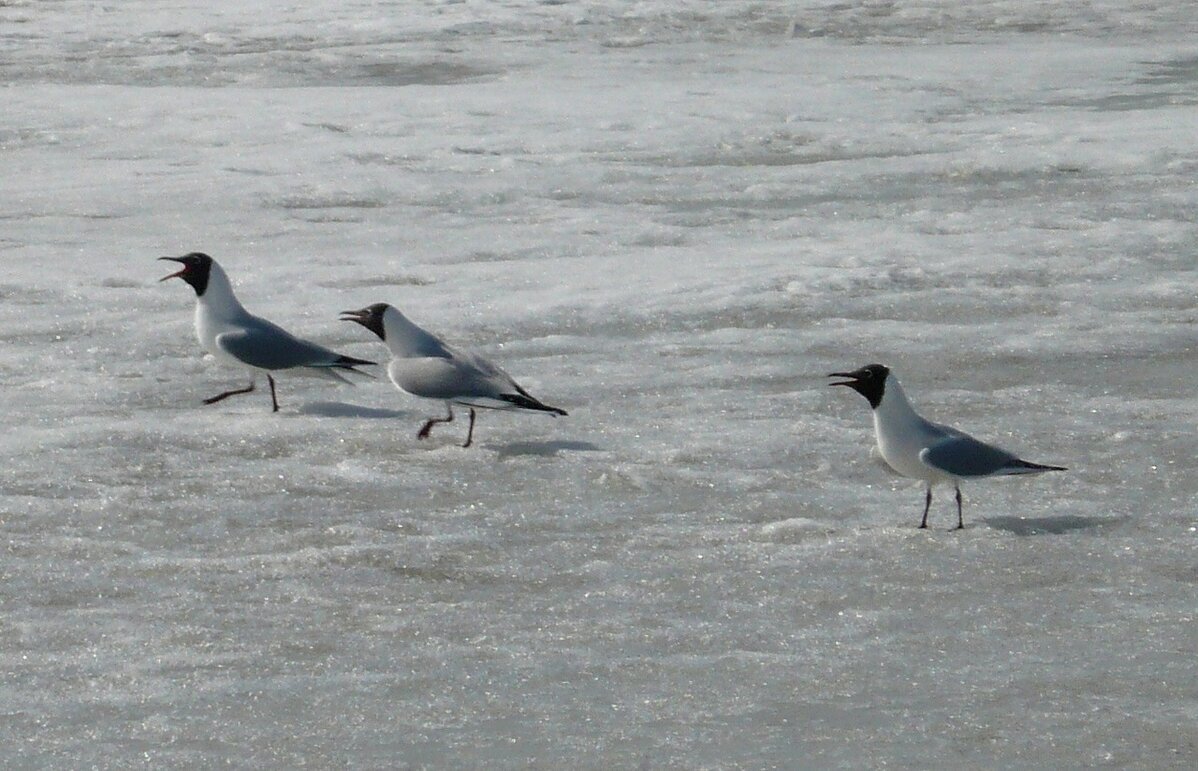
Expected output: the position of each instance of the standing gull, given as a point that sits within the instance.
(237, 337)
(918, 448)
(424, 366)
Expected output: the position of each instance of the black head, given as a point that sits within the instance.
(370, 317)
(869, 381)
(196, 268)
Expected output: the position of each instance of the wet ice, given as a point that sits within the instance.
(675, 220)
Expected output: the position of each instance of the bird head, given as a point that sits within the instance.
(869, 381)
(370, 317)
(196, 268)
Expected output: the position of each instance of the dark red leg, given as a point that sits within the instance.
(470, 433)
(273, 401)
(927, 505)
(424, 432)
(227, 394)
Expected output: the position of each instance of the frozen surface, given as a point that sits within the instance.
(672, 219)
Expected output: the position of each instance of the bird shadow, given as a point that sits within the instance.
(344, 410)
(1055, 525)
(544, 449)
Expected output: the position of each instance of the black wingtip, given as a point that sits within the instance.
(529, 403)
(349, 361)
(1040, 466)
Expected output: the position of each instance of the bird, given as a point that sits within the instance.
(236, 337)
(425, 366)
(918, 448)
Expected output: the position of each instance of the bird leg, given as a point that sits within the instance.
(470, 432)
(227, 394)
(960, 522)
(274, 402)
(428, 427)
(927, 505)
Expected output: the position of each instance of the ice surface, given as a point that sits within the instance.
(671, 219)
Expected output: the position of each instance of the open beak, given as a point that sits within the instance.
(178, 274)
(853, 378)
(358, 316)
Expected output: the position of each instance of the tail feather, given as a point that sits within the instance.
(529, 403)
(1027, 467)
(333, 374)
(349, 362)
(343, 364)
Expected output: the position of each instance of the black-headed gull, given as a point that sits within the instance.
(236, 337)
(424, 366)
(918, 448)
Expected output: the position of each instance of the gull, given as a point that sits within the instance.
(424, 366)
(235, 336)
(918, 448)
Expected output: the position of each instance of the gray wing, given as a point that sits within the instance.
(482, 368)
(963, 456)
(469, 380)
(445, 378)
(271, 347)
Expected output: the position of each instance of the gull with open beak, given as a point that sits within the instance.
(918, 448)
(236, 337)
(424, 366)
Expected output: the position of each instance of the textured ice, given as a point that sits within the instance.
(671, 219)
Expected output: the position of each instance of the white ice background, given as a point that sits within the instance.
(672, 219)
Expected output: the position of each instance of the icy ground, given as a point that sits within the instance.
(672, 219)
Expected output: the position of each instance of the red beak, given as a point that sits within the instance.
(178, 274)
